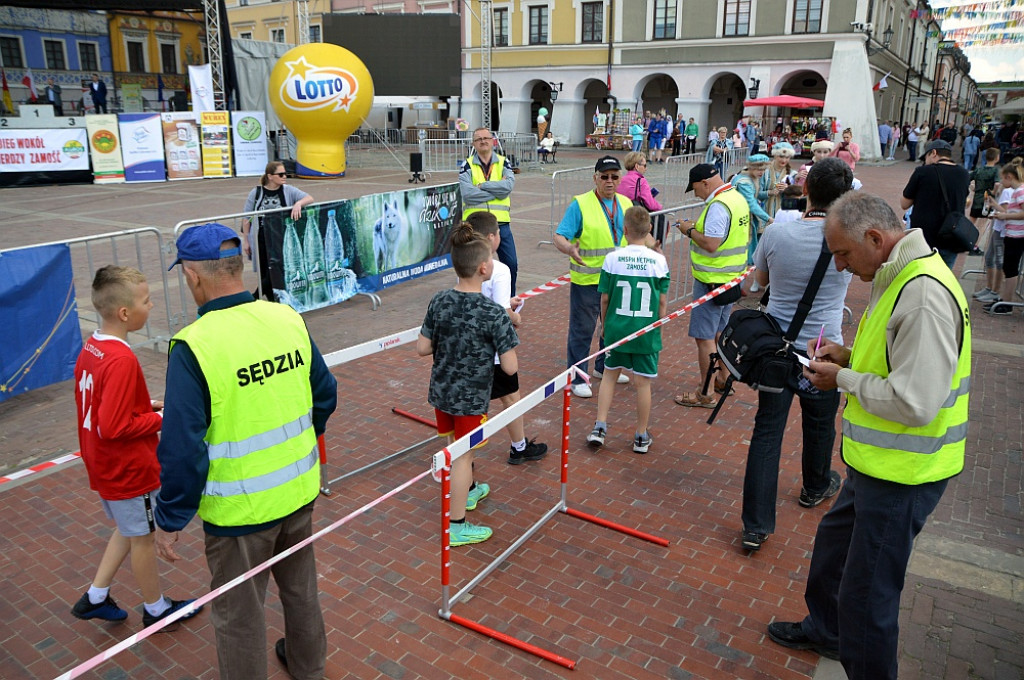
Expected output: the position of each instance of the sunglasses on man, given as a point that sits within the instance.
(609, 177)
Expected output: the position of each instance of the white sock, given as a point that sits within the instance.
(98, 595)
(159, 607)
(519, 445)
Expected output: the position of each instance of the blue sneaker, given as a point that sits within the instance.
(148, 619)
(106, 610)
(464, 533)
(477, 494)
(642, 442)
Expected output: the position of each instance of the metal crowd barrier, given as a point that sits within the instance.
(447, 155)
(142, 248)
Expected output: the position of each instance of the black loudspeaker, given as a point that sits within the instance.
(415, 162)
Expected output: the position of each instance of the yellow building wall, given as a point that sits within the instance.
(561, 49)
(260, 19)
(186, 28)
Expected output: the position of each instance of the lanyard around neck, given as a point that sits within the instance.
(609, 214)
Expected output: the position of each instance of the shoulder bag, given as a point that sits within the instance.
(957, 233)
(753, 348)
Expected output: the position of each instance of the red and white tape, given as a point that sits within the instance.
(146, 632)
(21, 474)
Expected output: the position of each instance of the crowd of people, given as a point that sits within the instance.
(905, 377)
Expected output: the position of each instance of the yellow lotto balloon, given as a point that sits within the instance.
(321, 93)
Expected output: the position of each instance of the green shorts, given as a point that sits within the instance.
(641, 364)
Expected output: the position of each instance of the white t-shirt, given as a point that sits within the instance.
(1004, 199)
(499, 288)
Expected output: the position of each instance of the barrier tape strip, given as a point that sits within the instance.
(40, 467)
(333, 359)
(146, 632)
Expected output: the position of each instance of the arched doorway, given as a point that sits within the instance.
(540, 98)
(659, 95)
(595, 95)
(495, 105)
(727, 94)
(804, 84)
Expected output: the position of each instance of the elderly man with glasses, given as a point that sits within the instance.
(590, 229)
(487, 180)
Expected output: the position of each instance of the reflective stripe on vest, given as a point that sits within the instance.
(731, 257)
(885, 449)
(260, 442)
(595, 241)
(500, 207)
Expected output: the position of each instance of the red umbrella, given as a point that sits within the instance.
(786, 100)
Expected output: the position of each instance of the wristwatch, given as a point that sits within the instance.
(690, 231)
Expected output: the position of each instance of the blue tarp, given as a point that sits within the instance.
(39, 334)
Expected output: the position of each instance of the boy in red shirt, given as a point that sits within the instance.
(117, 433)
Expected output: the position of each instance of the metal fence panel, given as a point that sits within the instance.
(446, 155)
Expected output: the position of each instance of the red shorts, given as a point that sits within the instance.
(458, 426)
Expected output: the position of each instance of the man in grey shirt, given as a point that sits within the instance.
(785, 258)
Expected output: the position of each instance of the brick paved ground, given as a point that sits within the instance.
(622, 607)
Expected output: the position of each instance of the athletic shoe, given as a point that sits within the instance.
(596, 436)
(753, 541)
(477, 494)
(1001, 310)
(464, 533)
(622, 379)
(531, 452)
(984, 293)
(991, 301)
(809, 500)
(792, 635)
(148, 619)
(279, 650)
(642, 442)
(106, 610)
(989, 296)
(582, 390)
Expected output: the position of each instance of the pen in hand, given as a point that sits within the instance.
(821, 335)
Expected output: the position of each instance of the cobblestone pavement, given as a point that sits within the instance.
(622, 607)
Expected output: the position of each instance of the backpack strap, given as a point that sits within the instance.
(803, 308)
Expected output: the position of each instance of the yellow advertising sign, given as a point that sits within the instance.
(216, 134)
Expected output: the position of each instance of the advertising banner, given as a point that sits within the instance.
(43, 150)
(142, 147)
(105, 148)
(216, 143)
(39, 317)
(338, 249)
(249, 134)
(181, 145)
(131, 97)
(200, 81)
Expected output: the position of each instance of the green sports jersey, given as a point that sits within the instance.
(635, 278)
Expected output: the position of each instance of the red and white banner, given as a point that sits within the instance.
(43, 150)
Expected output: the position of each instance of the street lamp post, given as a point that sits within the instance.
(555, 89)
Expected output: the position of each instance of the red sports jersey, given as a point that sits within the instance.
(117, 427)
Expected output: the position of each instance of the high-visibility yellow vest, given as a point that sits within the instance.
(500, 207)
(264, 463)
(730, 260)
(596, 239)
(888, 450)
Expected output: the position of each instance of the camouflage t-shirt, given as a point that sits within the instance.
(467, 330)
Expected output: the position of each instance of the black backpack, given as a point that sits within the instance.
(753, 348)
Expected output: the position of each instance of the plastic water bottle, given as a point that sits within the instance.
(334, 256)
(296, 283)
(313, 247)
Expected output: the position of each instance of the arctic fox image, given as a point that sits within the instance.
(389, 234)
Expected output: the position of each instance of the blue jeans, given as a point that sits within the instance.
(949, 257)
(637, 143)
(761, 480)
(858, 568)
(912, 150)
(584, 310)
(507, 251)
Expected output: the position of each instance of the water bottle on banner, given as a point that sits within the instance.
(296, 283)
(313, 248)
(334, 255)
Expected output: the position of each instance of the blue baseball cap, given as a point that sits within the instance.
(203, 242)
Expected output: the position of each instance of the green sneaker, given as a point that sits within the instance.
(465, 533)
(477, 494)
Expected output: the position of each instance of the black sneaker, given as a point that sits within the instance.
(752, 541)
(791, 634)
(279, 650)
(148, 619)
(596, 436)
(809, 500)
(106, 610)
(531, 452)
(999, 310)
(987, 305)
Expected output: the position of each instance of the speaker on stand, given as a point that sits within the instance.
(416, 168)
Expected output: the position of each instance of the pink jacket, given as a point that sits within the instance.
(849, 156)
(628, 187)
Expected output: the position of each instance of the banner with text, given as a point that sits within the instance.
(181, 145)
(362, 245)
(249, 133)
(43, 150)
(200, 80)
(216, 143)
(39, 317)
(105, 148)
(142, 147)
